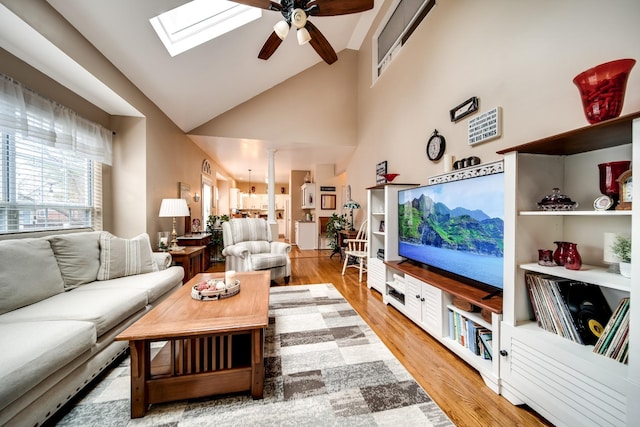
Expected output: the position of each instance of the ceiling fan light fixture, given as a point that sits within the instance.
(281, 29)
(303, 36)
(298, 18)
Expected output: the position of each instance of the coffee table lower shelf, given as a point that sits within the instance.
(192, 367)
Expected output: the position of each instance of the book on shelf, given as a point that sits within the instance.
(574, 310)
(469, 334)
(614, 341)
(486, 338)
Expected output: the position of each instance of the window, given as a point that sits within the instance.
(42, 188)
(396, 29)
(48, 179)
(199, 21)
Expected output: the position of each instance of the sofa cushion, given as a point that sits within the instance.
(103, 307)
(25, 361)
(28, 273)
(155, 284)
(78, 256)
(124, 257)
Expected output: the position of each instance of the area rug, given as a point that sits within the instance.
(324, 367)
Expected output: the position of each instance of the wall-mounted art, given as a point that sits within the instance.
(328, 201)
(463, 110)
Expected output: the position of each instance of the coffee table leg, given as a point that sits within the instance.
(139, 372)
(257, 363)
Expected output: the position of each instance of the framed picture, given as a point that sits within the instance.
(463, 110)
(328, 201)
(184, 191)
(381, 170)
(381, 228)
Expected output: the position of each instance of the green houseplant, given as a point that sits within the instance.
(622, 249)
(214, 228)
(334, 225)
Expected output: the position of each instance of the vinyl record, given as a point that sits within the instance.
(589, 310)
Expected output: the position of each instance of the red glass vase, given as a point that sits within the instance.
(560, 253)
(572, 260)
(609, 173)
(602, 89)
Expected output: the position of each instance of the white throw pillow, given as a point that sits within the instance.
(124, 257)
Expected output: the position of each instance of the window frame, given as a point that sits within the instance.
(378, 67)
(18, 216)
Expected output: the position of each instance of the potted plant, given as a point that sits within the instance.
(622, 249)
(334, 225)
(214, 228)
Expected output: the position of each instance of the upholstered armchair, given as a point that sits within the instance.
(248, 246)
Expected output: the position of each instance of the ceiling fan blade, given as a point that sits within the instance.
(262, 4)
(320, 44)
(339, 7)
(270, 46)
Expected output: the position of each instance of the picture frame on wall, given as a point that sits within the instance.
(184, 191)
(463, 110)
(381, 170)
(328, 201)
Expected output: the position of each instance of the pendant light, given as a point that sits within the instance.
(251, 187)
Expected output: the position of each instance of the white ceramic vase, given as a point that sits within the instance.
(625, 269)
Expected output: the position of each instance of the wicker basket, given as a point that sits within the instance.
(215, 292)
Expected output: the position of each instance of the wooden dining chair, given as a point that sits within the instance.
(357, 249)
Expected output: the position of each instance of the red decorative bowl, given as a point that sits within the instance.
(602, 89)
(390, 176)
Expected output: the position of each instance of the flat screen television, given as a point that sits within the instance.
(456, 228)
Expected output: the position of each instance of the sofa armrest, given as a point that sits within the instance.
(280, 248)
(236, 250)
(162, 259)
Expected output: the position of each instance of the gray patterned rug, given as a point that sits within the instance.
(324, 367)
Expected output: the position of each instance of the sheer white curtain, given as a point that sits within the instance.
(43, 121)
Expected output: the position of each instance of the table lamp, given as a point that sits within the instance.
(351, 205)
(173, 208)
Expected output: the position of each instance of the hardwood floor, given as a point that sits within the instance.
(454, 386)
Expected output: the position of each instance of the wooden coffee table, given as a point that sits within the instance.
(212, 347)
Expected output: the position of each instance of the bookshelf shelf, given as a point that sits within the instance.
(588, 274)
(576, 213)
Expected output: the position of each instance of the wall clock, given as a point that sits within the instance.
(435, 146)
(625, 184)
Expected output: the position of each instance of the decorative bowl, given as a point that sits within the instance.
(212, 290)
(602, 89)
(557, 202)
(390, 176)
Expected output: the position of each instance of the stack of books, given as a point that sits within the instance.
(469, 334)
(614, 341)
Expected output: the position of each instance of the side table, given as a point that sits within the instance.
(191, 259)
(199, 239)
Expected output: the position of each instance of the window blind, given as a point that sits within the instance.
(49, 178)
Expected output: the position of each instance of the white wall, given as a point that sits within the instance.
(521, 56)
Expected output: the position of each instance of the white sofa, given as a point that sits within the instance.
(63, 300)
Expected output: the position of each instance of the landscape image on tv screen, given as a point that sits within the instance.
(456, 226)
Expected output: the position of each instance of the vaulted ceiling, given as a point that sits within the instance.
(200, 84)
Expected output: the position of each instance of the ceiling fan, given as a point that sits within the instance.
(296, 12)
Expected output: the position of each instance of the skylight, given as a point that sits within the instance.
(199, 21)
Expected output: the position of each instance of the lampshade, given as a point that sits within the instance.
(281, 29)
(351, 204)
(303, 36)
(173, 208)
